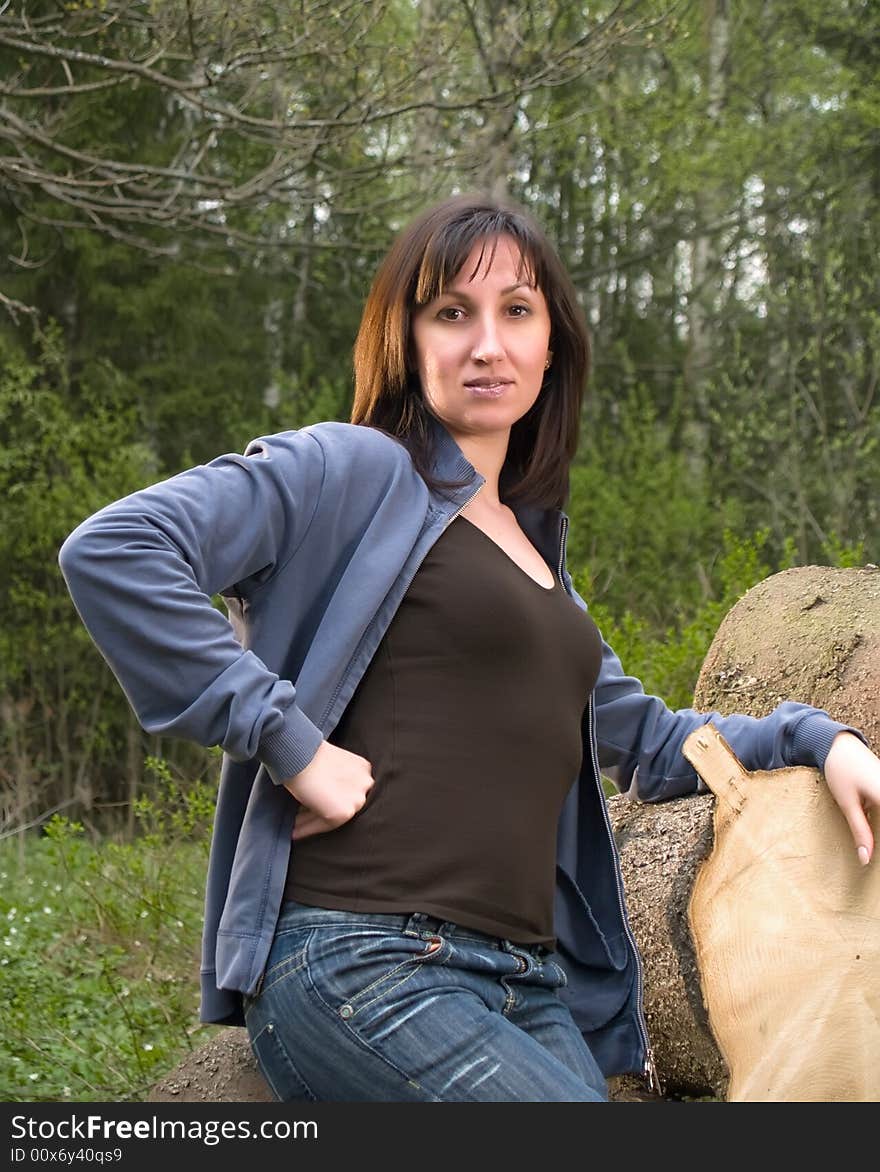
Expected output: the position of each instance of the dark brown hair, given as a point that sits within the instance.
(422, 261)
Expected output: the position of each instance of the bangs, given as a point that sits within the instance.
(448, 249)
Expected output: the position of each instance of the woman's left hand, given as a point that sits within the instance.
(852, 773)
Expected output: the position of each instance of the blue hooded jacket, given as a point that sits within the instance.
(312, 538)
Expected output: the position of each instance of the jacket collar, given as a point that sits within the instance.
(450, 463)
(541, 525)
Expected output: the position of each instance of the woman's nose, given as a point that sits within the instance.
(487, 346)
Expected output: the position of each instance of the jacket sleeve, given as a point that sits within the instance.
(640, 739)
(142, 572)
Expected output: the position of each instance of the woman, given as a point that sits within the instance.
(407, 661)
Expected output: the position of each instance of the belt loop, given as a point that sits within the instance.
(415, 924)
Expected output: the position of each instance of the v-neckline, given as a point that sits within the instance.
(501, 549)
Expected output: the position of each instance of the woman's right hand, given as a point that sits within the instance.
(331, 789)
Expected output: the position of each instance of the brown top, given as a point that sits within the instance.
(470, 714)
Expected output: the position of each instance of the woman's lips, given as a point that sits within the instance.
(488, 390)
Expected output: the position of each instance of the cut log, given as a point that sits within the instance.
(660, 848)
(786, 924)
(811, 634)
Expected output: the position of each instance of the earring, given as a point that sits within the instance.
(547, 364)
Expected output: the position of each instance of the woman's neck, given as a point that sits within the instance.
(487, 454)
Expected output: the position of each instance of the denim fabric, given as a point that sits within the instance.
(369, 1007)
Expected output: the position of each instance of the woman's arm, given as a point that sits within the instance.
(640, 742)
(142, 572)
(640, 739)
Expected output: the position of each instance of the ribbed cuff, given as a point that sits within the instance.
(290, 748)
(812, 739)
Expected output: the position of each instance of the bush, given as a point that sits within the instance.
(100, 953)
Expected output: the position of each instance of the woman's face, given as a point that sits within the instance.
(483, 344)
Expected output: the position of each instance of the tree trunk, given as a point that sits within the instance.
(706, 251)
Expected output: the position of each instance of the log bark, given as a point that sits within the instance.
(221, 1070)
(661, 846)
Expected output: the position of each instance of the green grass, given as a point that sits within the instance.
(99, 953)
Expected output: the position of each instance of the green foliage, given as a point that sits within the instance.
(645, 526)
(64, 452)
(841, 553)
(668, 661)
(62, 455)
(99, 953)
(174, 812)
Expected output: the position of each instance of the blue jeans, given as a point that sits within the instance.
(369, 1007)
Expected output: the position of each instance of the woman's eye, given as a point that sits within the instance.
(451, 313)
(519, 310)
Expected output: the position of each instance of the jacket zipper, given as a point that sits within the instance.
(562, 541)
(454, 515)
(649, 1069)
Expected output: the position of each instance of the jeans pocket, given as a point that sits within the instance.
(354, 967)
(287, 955)
(277, 1067)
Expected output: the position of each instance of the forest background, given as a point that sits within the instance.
(193, 197)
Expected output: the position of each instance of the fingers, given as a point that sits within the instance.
(860, 828)
(334, 786)
(308, 824)
(852, 773)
